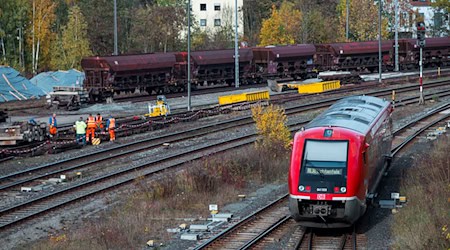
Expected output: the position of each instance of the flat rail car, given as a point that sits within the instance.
(337, 159)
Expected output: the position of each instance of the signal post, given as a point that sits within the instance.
(421, 43)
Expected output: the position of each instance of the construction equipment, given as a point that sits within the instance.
(244, 97)
(27, 131)
(67, 97)
(160, 109)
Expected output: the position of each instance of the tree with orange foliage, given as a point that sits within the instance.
(282, 27)
(40, 34)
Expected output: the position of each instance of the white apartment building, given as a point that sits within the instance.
(213, 14)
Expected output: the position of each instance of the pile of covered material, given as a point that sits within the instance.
(47, 80)
(13, 86)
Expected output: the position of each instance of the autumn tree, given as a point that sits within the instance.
(40, 34)
(73, 44)
(363, 21)
(254, 12)
(271, 125)
(282, 27)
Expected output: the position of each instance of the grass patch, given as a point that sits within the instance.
(423, 223)
(156, 205)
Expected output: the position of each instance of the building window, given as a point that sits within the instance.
(217, 22)
(217, 6)
(202, 22)
(203, 6)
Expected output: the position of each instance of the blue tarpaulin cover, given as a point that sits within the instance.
(47, 80)
(14, 86)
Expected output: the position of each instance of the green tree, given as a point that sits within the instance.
(13, 20)
(363, 21)
(282, 27)
(73, 45)
(441, 17)
(99, 15)
(157, 28)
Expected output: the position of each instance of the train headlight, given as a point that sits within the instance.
(343, 189)
(301, 188)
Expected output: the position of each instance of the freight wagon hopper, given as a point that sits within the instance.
(436, 53)
(116, 74)
(280, 62)
(213, 67)
(355, 56)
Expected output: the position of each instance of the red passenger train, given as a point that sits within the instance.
(338, 160)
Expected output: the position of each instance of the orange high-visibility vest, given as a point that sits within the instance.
(112, 123)
(99, 119)
(91, 122)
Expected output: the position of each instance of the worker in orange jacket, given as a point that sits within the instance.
(91, 126)
(111, 126)
(52, 125)
(99, 122)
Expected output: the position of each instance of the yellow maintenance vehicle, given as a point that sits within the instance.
(160, 109)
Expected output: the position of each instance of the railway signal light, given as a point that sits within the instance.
(420, 34)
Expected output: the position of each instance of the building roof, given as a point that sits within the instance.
(357, 113)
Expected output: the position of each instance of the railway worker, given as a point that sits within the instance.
(99, 122)
(80, 127)
(91, 126)
(111, 126)
(52, 125)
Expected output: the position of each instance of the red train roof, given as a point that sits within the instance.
(360, 47)
(130, 62)
(221, 56)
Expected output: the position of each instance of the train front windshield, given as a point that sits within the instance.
(324, 164)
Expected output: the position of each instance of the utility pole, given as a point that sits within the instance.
(189, 55)
(115, 28)
(236, 48)
(396, 35)
(421, 43)
(379, 42)
(346, 19)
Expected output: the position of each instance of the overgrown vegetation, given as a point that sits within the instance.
(271, 125)
(424, 222)
(155, 205)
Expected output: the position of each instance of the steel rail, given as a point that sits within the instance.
(166, 138)
(242, 222)
(10, 211)
(353, 235)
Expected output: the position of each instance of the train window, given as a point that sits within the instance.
(332, 163)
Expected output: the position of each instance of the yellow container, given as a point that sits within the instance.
(244, 97)
(319, 87)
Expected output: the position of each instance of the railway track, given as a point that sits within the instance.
(308, 238)
(16, 179)
(19, 212)
(134, 125)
